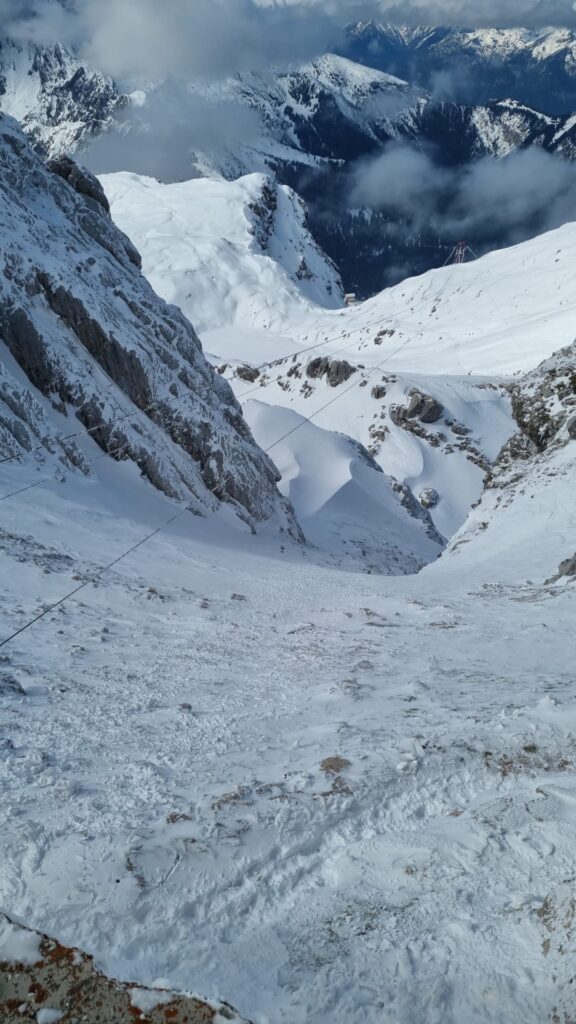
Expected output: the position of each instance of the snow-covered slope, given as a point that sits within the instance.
(528, 497)
(536, 67)
(60, 101)
(237, 257)
(86, 343)
(324, 797)
(229, 767)
(345, 504)
(452, 336)
(232, 252)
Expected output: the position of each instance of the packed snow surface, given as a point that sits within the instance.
(322, 796)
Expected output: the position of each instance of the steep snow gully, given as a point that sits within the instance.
(245, 771)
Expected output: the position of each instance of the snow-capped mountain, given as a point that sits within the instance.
(416, 374)
(537, 68)
(239, 256)
(59, 100)
(87, 344)
(239, 252)
(313, 127)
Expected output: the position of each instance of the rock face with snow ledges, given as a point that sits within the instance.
(529, 496)
(60, 100)
(478, 65)
(89, 344)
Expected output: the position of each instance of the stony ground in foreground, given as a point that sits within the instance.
(62, 986)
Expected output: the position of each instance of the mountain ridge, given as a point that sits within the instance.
(89, 344)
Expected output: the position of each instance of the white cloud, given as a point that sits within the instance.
(512, 197)
(218, 37)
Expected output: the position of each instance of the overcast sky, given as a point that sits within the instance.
(214, 37)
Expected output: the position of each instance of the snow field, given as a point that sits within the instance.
(319, 795)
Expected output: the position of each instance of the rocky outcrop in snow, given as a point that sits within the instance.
(544, 407)
(529, 492)
(44, 981)
(60, 101)
(90, 345)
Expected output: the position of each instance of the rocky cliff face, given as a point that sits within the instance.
(88, 344)
(529, 493)
(60, 101)
(544, 407)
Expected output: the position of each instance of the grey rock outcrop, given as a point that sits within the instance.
(429, 498)
(336, 371)
(97, 344)
(424, 407)
(80, 179)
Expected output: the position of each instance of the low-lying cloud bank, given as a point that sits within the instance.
(508, 198)
(213, 38)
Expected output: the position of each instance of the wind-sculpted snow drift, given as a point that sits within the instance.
(90, 341)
